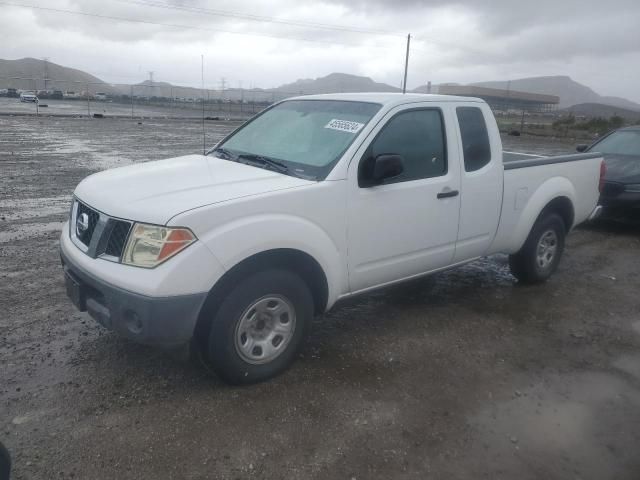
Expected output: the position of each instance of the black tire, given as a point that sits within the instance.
(525, 265)
(221, 352)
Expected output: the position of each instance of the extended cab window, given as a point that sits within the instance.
(418, 137)
(475, 139)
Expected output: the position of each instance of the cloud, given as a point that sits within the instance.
(453, 41)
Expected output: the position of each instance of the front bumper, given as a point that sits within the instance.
(160, 321)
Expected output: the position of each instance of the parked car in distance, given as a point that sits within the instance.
(100, 96)
(620, 148)
(28, 97)
(314, 200)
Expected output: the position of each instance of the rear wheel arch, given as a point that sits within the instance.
(540, 255)
(296, 261)
(522, 263)
(563, 206)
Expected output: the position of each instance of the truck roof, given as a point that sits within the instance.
(388, 99)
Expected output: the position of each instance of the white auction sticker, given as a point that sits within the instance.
(344, 125)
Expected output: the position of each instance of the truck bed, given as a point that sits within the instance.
(528, 178)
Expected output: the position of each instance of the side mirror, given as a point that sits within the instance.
(582, 147)
(387, 165)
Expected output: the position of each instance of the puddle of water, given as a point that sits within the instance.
(21, 208)
(30, 230)
(84, 152)
(629, 364)
(564, 422)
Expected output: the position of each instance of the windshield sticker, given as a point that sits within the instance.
(344, 125)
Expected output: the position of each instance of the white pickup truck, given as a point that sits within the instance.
(316, 199)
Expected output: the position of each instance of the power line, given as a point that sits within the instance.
(261, 18)
(188, 27)
(296, 23)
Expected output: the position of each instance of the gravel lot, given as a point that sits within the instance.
(461, 375)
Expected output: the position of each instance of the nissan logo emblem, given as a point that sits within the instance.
(82, 224)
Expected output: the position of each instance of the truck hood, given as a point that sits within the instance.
(154, 192)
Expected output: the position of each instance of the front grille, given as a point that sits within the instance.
(86, 235)
(119, 231)
(97, 234)
(612, 189)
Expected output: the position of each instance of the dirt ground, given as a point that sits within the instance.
(461, 375)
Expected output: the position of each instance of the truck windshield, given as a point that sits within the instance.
(306, 137)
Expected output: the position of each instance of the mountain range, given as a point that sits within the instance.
(21, 74)
(569, 91)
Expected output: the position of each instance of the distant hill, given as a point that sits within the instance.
(17, 74)
(569, 91)
(604, 111)
(334, 83)
(159, 89)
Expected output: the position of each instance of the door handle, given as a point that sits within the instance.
(448, 193)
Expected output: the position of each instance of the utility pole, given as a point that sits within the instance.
(88, 102)
(131, 102)
(150, 89)
(406, 65)
(204, 136)
(223, 84)
(46, 73)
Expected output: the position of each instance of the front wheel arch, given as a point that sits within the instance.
(296, 261)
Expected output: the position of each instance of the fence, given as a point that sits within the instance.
(143, 99)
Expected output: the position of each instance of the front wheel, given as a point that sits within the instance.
(259, 327)
(540, 255)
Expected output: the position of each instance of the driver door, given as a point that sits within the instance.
(406, 225)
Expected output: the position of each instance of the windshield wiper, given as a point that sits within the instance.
(266, 161)
(252, 159)
(225, 153)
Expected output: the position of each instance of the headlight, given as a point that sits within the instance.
(150, 245)
(632, 187)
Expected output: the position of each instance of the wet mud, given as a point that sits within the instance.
(464, 374)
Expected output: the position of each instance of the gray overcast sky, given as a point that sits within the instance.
(595, 42)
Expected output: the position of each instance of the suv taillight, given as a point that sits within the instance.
(603, 170)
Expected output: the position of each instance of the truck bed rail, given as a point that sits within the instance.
(513, 162)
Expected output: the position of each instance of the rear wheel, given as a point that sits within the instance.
(540, 255)
(259, 327)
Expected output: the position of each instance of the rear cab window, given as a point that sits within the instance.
(475, 138)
